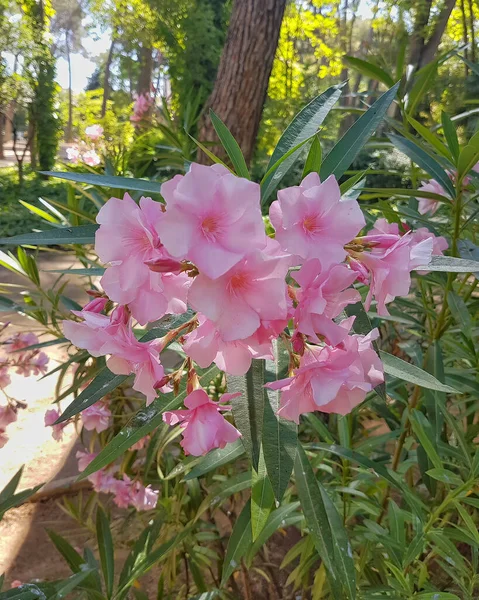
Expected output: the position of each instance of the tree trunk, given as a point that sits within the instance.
(430, 48)
(32, 134)
(69, 132)
(243, 73)
(2, 136)
(145, 58)
(418, 37)
(473, 33)
(106, 78)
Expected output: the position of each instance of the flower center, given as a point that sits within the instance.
(311, 224)
(210, 227)
(238, 283)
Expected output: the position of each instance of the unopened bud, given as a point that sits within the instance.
(96, 305)
(164, 265)
(297, 342)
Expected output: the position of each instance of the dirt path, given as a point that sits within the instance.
(25, 549)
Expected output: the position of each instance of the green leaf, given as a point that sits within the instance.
(436, 596)
(422, 83)
(313, 160)
(239, 543)
(370, 70)
(109, 181)
(461, 315)
(143, 423)
(450, 264)
(407, 372)
(71, 556)
(304, 125)
(88, 272)
(262, 498)
(423, 160)
(84, 234)
(445, 476)
(104, 383)
(11, 486)
(468, 521)
(349, 146)
(18, 499)
(280, 436)
(316, 516)
(38, 211)
(68, 585)
(423, 430)
(105, 549)
(450, 134)
(231, 146)
(248, 409)
(208, 153)
(431, 138)
(390, 192)
(343, 553)
(216, 458)
(468, 157)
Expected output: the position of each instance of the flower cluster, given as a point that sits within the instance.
(126, 491)
(87, 154)
(141, 108)
(208, 250)
(18, 358)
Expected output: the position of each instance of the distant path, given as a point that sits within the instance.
(11, 161)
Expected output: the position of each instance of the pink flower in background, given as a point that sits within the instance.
(91, 158)
(143, 498)
(34, 363)
(429, 205)
(128, 239)
(7, 416)
(322, 297)
(96, 417)
(140, 444)
(331, 380)
(94, 132)
(311, 220)
(57, 430)
(103, 480)
(3, 439)
(16, 583)
(73, 154)
(205, 345)
(20, 341)
(84, 459)
(121, 490)
(204, 427)
(141, 107)
(4, 377)
(213, 218)
(250, 293)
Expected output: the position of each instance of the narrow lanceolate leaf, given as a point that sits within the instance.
(249, 407)
(316, 516)
(461, 315)
(450, 264)
(370, 70)
(303, 126)
(104, 383)
(105, 549)
(262, 498)
(423, 160)
(313, 160)
(407, 372)
(343, 553)
(239, 543)
(349, 146)
(280, 436)
(11, 486)
(450, 133)
(215, 459)
(231, 146)
(84, 234)
(143, 423)
(109, 181)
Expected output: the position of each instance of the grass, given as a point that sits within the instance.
(15, 218)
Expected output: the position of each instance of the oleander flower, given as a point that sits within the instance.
(96, 417)
(94, 132)
(212, 218)
(91, 158)
(203, 425)
(312, 221)
(429, 205)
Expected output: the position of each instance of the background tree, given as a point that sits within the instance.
(67, 28)
(243, 73)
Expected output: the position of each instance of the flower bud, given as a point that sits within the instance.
(96, 305)
(164, 265)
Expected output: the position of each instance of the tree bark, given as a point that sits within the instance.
(430, 48)
(243, 74)
(69, 132)
(106, 78)
(146, 69)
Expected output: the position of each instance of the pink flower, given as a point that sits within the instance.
(428, 205)
(7, 416)
(3, 439)
(332, 380)
(96, 417)
(311, 221)
(102, 480)
(84, 459)
(91, 158)
(102, 335)
(321, 298)
(97, 305)
(32, 363)
(143, 498)
(250, 293)
(122, 492)
(141, 107)
(205, 345)
(20, 341)
(439, 244)
(204, 427)
(213, 218)
(140, 444)
(128, 240)
(16, 583)
(94, 132)
(4, 377)
(73, 154)
(57, 430)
